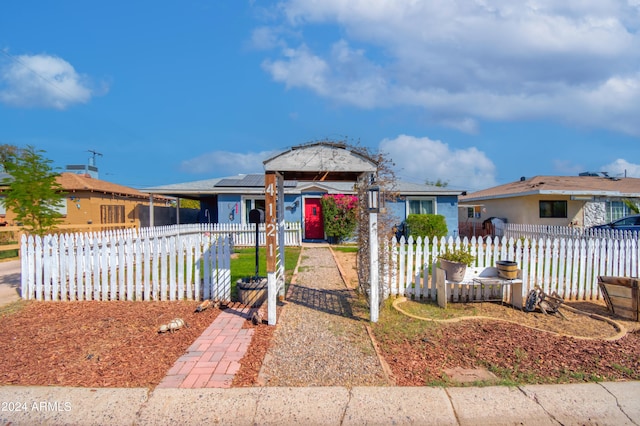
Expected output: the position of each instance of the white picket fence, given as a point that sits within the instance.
(240, 234)
(565, 265)
(517, 230)
(120, 266)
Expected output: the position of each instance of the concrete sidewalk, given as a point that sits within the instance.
(577, 404)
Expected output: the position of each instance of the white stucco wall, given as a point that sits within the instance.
(527, 210)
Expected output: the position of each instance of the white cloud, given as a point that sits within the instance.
(42, 81)
(300, 68)
(345, 75)
(265, 38)
(422, 159)
(622, 167)
(574, 61)
(223, 163)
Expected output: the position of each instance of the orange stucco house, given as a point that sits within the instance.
(96, 204)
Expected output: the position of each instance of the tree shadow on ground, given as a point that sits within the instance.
(335, 302)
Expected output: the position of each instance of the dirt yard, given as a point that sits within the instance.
(94, 344)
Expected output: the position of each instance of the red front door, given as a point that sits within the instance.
(313, 227)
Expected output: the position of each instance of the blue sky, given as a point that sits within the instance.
(474, 93)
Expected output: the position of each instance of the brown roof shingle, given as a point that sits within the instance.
(75, 182)
(564, 185)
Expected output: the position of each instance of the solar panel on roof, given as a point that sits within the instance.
(249, 181)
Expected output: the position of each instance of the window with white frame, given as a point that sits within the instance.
(617, 210)
(421, 205)
(250, 204)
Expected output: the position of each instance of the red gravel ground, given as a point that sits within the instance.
(95, 344)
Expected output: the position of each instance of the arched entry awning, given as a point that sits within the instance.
(321, 161)
(317, 161)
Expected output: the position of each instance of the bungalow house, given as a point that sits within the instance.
(585, 200)
(229, 199)
(89, 201)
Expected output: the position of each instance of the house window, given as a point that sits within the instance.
(112, 214)
(556, 208)
(421, 206)
(250, 204)
(617, 210)
(474, 212)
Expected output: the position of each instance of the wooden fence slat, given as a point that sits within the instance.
(206, 264)
(45, 286)
(409, 268)
(129, 256)
(188, 247)
(120, 267)
(113, 268)
(197, 255)
(71, 269)
(171, 248)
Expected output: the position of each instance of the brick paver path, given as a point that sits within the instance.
(214, 358)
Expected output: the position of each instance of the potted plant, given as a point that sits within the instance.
(455, 262)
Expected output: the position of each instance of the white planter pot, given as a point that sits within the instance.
(454, 270)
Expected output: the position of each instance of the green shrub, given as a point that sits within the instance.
(8, 254)
(340, 216)
(460, 256)
(426, 225)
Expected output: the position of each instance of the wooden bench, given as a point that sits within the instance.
(480, 284)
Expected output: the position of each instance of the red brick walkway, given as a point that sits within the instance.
(214, 358)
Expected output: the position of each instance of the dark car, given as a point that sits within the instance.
(629, 223)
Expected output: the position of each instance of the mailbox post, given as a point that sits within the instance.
(256, 216)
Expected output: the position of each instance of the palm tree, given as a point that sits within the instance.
(632, 206)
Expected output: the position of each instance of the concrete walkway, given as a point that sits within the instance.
(9, 281)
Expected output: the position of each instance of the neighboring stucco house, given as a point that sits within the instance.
(585, 200)
(93, 201)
